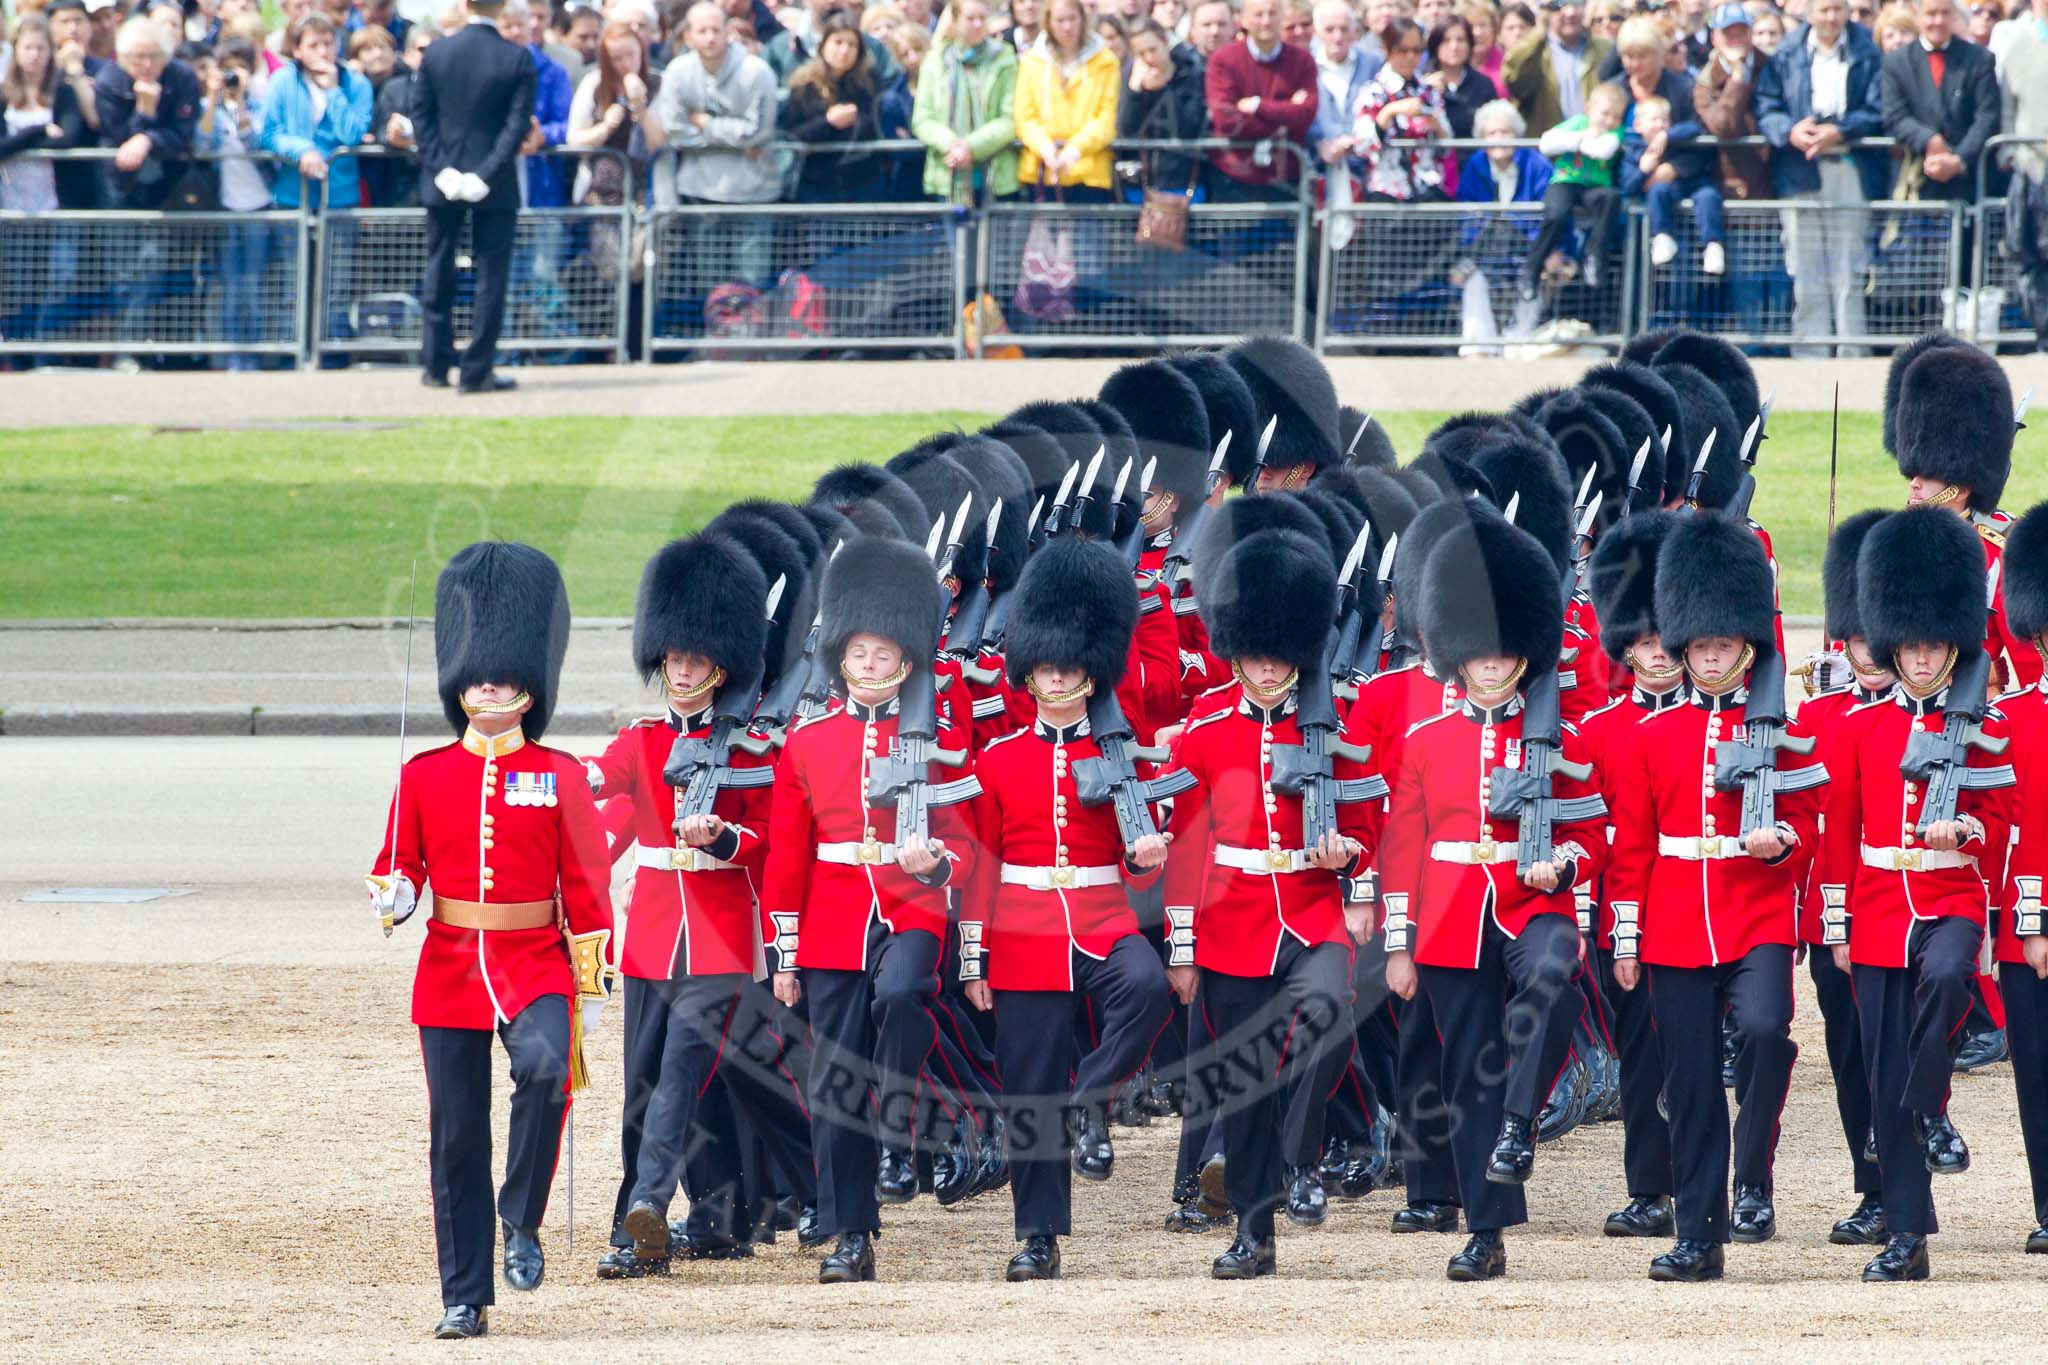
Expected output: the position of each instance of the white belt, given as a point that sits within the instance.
(1475, 855)
(1915, 859)
(680, 860)
(1262, 862)
(1711, 848)
(855, 853)
(1060, 878)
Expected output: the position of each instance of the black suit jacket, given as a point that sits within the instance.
(472, 105)
(1965, 110)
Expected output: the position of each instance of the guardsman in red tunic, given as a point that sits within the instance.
(1712, 911)
(1864, 680)
(1047, 909)
(1904, 900)
(1494, 949)
(2022, 947)
(504, 835)
(859, 916)
(692, 946)
(1232, 412)
(1623, 577)
(1253, 904)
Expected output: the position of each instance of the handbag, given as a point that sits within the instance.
(1163, 218)
(1047, 273)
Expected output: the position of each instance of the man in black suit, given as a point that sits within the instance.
(472, 109)
(1941, 100)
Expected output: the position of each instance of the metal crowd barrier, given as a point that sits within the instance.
(1993, 308)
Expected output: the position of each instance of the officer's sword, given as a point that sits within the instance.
(388, 915)
(1356, 437)
(1834, 454)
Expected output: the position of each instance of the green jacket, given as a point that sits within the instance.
(989, 88)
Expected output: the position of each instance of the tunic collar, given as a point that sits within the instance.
(1492, 715)
(494, 746)
(1267, 715)
(1654, 702)
(698, 720)
(1919, 706)
(1061, 734)
(1727, 701)
(869, 715)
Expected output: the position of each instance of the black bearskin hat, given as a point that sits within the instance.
(1002, 474)
(1622, 577)
(1038, 450)
(1371, 449)
(1713, 579)
(849, 486)
(941, 484)
(1419, 483)
(1536, 476)
(1722, 363)
(1894, 373)
(1075, 434)
(787, 517)
(1489, 588)
(2025, 565)
(1119, 446)
(1270, 595)
(1588, 441)
(831, 527)
(703, 594)
(1954, 422)
(1707, 409)
(1643, 348)
(1656, 397)
(1076, 606)
(886, 588)
(1290, 382)
(1240, 518)
(1637, 429)
(1534, 401)
(1164, 409)
(779, 557)
(1340, 520)
(1838, 570)
(1379, 495)
(1920, 577)
(1230, 407)
(501, 615)
(1432, 524)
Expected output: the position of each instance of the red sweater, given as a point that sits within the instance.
(1234, 74)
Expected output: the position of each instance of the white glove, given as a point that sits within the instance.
(395, 896)
(1600, 146)
(448, 181)
(474, 190)
(593, 1010)
(1830, 670)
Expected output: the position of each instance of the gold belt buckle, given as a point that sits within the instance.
(1063, 877)
(1710, 847)
(1909, 860)
(1280, 860)
(682, 860)
(1483, 851)
(870, 852)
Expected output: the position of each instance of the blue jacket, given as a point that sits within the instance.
(1334, 120)
(289, 131)
(547, 177)
(1477, 185)
(1784, 95)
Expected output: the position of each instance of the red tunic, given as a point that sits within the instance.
(1440, 798)
(1029, 815)
(1582, 679)
(517, 827)
(820, 911)
(1199, 669)
(1873, 805)
(2026, 718)
(1388, 706)
(1823, 718)
(1607, 735)
(1699, 913)
(1241, 918)
(687, 923)
(2023, 661)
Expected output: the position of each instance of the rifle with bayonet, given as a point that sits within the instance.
(702, 768)
(903, 778)
(1113, 779)
(1745, 492)
(1635, 477)
(1697, 480)
(1942, 761)
(1251, 483)
(1348, 629)
(1525, 794)
(970, 619)
(998, 619)
(1306, 769)
(1190, 521)
(1750, 764)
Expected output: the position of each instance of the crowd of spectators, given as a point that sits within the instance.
(1649, 101)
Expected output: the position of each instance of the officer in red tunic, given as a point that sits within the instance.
(1493, 949)
(1623, 579)
(506, 833)
(1259, 911)
(1047, 907)
(859, 916)
(1904, 901)
(2022, 947)
(1711, 909)
(1862, 680)
(692, 1011)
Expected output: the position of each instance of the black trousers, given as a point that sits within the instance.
(458, 1063)
(1422, 1106)
(1912, 1019)
(1645, 1136)
(491, 249)
(1560, 203)
(1201, 1120)
(1506, 1027)
(1127, 997)
(1276, 1045)
(2026, 1023)
(872, 1033)
(1837, 993)
(1687, 1003)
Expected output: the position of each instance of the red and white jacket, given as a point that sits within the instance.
(1682, 891)
(2022, 660)
(2026, 718)
(1823, 717)
(497, 821)
(1607, 735)
(1200, 670)
(1582, 685)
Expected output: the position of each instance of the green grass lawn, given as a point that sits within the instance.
(114, 522)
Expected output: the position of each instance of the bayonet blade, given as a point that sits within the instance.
(1386, 573)
(1094, 468)
(1748, 452)
(1123, 481)
(1356, 437)
(1145, 476)
(775, 595)
(1514, 506)
(995, 517)
(1664, 440)
(1355, 557)
(1699, 466)
(931, 542)
(1591, 513)
(1037, 511)
(1635, 470)
(1216, 462)
(1066, 491)
(1585, 487)
(2019, 409)
(953, 539)
(1266, 438)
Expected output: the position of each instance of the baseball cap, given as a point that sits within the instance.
(1728, 16)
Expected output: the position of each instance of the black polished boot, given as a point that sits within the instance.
(1514, 1154)
(1194, 1216)
(1753, 1218)
(524, 1265)
(1426, 1215)
(462, 1321)
(1566, 1108)
(1689, 1262)
(649, 1231)
(1485, 1257)
(1941, 1144)
(1307, 1205)
(993, 1171)
(851, 1262)
(1246, 1259)
(1090, 1152)
(1903, 1258)
(896, 1176)
(1979, 1050)
(808, 1234)
(1870, 1145)
(1863, 1228)
(955, 1170)
(2037, 1241)
(1330, 1169)
(1039, 1260)
(1644, 1217)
